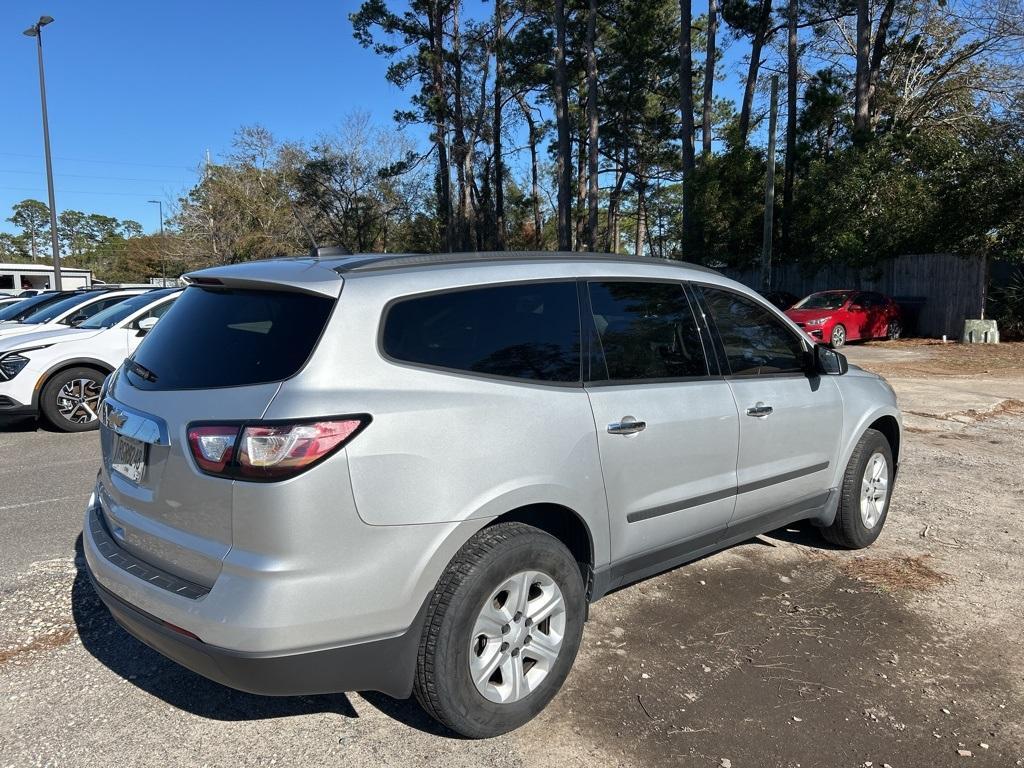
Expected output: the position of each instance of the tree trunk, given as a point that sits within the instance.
(499, 168)
(641, 214)
(592, 128)
(463, 162)
(614, 202)
(564, 161)
(860, 94)
(757, 43)
(792, 73)
(531, 124)
(443, 182)
(580, 235)
(686, 109)
(709, 76)
(877, 54)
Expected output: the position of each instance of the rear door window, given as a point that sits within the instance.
(645, 331)
(523, 331)
(229, 338)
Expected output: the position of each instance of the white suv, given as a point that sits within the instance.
(59, 372)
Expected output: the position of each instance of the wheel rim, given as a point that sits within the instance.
(894, 330)
(838, 336)
(874, 490)
(517, 637)
(78, 400)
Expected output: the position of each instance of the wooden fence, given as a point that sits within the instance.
(938, 291)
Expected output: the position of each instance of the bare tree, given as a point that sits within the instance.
(592, 128)
(709, 76)
(564, 160)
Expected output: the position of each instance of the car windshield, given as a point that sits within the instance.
(55, 310)
(30, 305)
(826, 300)
(111, 316)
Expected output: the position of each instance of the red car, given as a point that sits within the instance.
(837, 317)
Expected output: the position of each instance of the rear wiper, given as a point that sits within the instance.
(141, 371)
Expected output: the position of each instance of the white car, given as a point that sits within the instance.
(70, 311)
(6, 301)
(59, 373)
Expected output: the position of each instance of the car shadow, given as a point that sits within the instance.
(804, 534)
(21, 424)
(137, 663)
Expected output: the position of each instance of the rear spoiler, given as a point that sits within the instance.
(298, 275)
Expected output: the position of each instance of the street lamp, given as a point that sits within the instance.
(163, 270)
(36, 31)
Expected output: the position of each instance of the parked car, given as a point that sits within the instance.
(59, 373)
(837, 317)
(13, 313)
(6, 301)
(781, 299)
(67, 311)
(420, 482)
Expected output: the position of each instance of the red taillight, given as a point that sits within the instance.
(269, 451)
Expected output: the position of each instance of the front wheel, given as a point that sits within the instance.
(838, 337)
(894, 330)
(865, 493)
(502, 631)
(70, 400)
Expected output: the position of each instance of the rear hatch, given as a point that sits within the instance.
(218, 355)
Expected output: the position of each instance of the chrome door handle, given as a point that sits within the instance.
(626, 427)
(760, 410)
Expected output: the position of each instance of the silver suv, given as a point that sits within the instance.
(414, 473)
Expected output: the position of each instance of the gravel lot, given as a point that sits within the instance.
(780, 651)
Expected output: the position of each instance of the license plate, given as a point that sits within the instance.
(129, 458)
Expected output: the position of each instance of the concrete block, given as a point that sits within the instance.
(980, 332)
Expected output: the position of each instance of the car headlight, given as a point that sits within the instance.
(12, 364)
(816, 321)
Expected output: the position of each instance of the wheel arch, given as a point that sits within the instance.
(564, 524)
(64, 365)
(890, 428)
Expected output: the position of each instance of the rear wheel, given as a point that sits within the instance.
(894, 330)
(70, 400)
(865, 493)
(838, 337)
(502, 631)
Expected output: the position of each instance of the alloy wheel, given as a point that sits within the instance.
(517, 637)
(78, 401)
(874, 490)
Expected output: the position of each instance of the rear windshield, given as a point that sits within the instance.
(26, 307)
(229, 338)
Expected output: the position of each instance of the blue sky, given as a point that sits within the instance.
(138, 91)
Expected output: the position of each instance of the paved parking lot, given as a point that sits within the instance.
(780, 651)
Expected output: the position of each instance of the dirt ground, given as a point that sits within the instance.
(778, 652)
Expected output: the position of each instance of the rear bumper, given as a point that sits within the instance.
(385, 665)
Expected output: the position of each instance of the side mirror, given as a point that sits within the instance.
(146, 324)
(828, 362)
(77, 320)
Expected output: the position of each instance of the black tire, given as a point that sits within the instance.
(50, 405)
(849, 529)
(894, 331)
(444, 685)
(837, 338)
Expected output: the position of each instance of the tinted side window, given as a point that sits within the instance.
(646, 331)
(527, 331)
(756, 342)
(84, 313)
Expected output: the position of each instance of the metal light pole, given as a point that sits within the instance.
(163, 268)
(36, 31)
